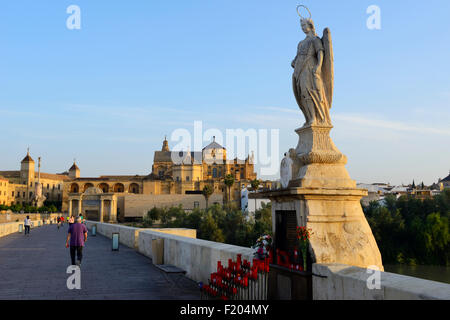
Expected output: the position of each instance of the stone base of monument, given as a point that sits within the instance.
(320, 195)
(339, 230)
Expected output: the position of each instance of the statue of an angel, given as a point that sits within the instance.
(313, 74)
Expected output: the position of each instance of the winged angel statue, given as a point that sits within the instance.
(313, 74)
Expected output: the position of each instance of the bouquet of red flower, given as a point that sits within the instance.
(303, 235)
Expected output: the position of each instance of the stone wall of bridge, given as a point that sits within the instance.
(181, 248)
(344, 282)
(13, 227)
(330, 281)
(19, 217)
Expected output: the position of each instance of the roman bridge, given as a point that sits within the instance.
(34, 267)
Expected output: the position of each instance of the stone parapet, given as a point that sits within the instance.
(181, 248)
(344, 282)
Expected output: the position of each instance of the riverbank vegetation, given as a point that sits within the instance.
(412, 231)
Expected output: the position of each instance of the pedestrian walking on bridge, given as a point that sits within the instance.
(76, 237)
(27, 224)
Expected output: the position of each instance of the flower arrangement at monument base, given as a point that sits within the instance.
(262, 247)
(303, 236)
(240, 280)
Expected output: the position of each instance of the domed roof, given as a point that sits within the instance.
(213, 145)
(93, 190)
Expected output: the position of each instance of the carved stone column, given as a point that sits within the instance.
(80, 204)
(70, 207)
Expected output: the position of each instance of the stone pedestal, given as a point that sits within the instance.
(340, 232)
(318, 163)
(325, 200)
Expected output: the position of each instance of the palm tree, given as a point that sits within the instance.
(229, 181)
(207, 192)
(255, 184)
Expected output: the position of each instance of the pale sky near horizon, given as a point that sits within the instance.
(107, 94)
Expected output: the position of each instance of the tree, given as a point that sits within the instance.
(229, 181)
(255, 184)
(207, 192)
(437, 238)
(209, 229)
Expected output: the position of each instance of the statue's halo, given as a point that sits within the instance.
(298, 11)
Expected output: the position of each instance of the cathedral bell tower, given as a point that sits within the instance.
(27, 170)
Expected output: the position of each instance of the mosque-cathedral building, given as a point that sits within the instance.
(177, 178)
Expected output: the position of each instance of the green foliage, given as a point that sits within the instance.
(412, 231)
(210, 230)
(207, 192)
(255, 184)
(229, 181)
(49, 207)
(218, 223)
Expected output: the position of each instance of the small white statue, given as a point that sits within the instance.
(286, 170)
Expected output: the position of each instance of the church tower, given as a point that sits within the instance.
(74, 171)
(165, 146)
(27, 170)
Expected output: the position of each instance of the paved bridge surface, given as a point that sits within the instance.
(34, 267)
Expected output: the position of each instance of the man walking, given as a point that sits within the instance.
(27, 224)
(76, 237)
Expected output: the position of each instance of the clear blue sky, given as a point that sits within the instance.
(137, 70)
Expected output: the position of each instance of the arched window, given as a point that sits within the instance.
(133, 188)
(118, 187)
(104, 187)
(74, 188)
(214, 172)
(87, 186)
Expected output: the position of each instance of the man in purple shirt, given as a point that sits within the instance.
(77, 235)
